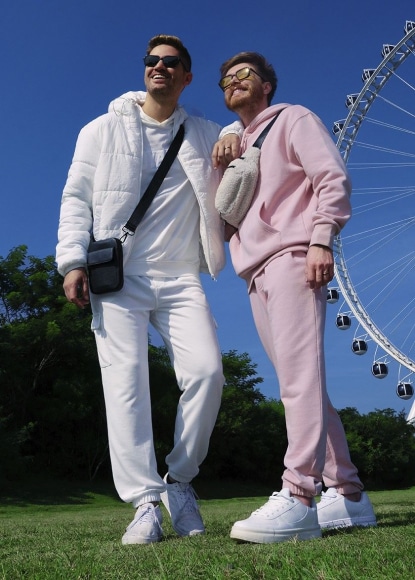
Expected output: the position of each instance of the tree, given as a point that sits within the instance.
(249, 438)
(52, 413)
(382, 445)
(50, 391)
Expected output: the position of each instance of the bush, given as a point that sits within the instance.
(382, 446)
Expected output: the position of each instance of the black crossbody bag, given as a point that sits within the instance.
(105, 257)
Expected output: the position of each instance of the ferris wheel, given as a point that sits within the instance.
(375, 255)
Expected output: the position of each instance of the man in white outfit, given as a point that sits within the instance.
(115, 158)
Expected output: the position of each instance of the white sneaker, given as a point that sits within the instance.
(283, 517)
(335, 511)
(145, 527)
(180, 501)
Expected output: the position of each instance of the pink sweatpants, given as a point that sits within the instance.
(290, 319)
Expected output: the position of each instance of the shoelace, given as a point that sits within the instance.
(278, 499)
(188, 496)
(326, 496)
(146, 516)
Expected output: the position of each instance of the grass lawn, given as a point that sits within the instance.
(57, 531)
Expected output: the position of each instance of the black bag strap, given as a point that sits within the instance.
(260, 140)
(157, 180)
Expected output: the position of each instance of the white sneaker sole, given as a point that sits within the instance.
(138, 540)
(349, 523)
(271, 537)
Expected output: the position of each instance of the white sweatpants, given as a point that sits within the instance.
(178, 310)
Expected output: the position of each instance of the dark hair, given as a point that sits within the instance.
(171, 41)
(262, 67)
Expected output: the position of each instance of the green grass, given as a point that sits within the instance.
(67, 532)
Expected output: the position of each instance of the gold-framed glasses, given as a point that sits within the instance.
(241, 74)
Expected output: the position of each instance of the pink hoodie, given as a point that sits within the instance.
(302, 195)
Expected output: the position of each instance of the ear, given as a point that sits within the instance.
(267, 87)
(188, 79)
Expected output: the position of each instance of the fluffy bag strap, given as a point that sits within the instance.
(261, 138)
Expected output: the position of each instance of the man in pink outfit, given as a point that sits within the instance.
(283, 249)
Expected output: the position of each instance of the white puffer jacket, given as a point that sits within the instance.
(104, 182)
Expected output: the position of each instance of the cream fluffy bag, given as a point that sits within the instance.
(237, 187)
(236, 190)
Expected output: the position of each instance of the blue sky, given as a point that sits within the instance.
(63, 62)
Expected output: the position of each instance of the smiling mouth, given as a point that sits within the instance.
(159, 76)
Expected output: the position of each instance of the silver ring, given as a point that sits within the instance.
(227, 148)
(325, 273)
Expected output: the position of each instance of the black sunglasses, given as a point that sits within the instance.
(241, 74)
(168, 61)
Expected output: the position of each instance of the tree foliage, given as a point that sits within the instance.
(50, 391)
(249, 438)
(382, 445)
(52, 414)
